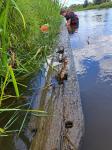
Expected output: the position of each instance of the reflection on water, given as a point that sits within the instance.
(23, 142)
(105, 73)
(99, 49)
(92, 49)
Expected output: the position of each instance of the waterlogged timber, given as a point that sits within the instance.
(63, 129)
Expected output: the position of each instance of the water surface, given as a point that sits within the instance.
(92, 49)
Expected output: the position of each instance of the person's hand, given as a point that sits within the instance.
(67, 24)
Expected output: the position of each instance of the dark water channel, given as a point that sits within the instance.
(23, 141)
(92, 48)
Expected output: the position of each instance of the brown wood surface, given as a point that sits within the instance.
(62, 104)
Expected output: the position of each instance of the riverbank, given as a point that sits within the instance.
(24, 50)
(28, 32)
(91, 6)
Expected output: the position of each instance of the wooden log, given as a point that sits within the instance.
(63, 129)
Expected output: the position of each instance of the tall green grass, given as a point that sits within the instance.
(23, 50)
(6, 65)
(23, 47)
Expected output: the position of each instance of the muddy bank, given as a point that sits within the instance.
(63, 128)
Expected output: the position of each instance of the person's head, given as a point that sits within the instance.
(63, 12)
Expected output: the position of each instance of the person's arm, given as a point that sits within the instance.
(68, 25)
(68, 22)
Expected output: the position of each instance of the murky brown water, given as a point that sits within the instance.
(93, 59)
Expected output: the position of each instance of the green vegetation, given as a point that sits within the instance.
(91, 6)
(23, 46)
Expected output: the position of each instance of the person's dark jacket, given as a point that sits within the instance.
(74, 19)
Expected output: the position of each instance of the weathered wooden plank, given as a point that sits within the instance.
(64, 104)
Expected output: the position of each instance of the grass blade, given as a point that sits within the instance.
(3, 87)
(14, 81)
(17, 8)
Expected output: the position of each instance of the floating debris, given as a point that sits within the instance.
(88, 40)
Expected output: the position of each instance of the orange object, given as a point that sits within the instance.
(44, 28)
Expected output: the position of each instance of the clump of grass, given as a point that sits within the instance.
(5, 66)
(23, 50)
(23, 47)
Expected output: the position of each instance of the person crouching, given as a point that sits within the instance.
(72, 20)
